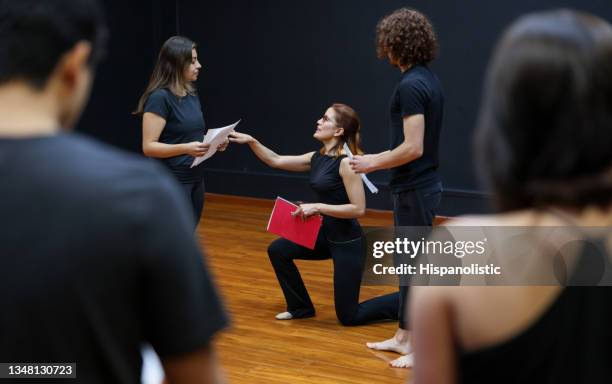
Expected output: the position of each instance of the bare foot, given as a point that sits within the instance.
(399, 343)
(406, 361)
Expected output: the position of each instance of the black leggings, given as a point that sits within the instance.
(348, 268)
(194, 193)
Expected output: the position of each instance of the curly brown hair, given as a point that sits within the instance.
(407, 36)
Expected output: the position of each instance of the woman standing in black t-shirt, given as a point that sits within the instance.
(172, 121)
(341, 201)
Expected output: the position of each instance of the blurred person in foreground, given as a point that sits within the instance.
(545, 146)
(97, 254)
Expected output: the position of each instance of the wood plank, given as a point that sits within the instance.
(260, 349)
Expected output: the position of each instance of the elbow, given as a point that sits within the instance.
(146, 150)
(151, 149)
(360, 212)
(414, 153)
(418, 154)
(273, 164)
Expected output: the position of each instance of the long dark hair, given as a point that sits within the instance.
(545, 127)
(347, 118)
(175, 55)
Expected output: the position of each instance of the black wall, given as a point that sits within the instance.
(278, 64)
(137, 30)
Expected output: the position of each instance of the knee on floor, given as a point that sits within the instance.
(277, 249)
(347, 319)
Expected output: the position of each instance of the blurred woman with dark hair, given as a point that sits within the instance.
(341, 201)
(545, 148)
(172, 118)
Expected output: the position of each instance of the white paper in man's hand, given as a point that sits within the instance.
(365, 179)
(214, 137)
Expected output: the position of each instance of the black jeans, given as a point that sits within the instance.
(413, 208)
(349, 261)
(194, 193)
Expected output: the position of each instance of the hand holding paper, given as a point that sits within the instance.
(214, 138)
(196, 148)
(365, 179)
(302, 231)
(306, 210)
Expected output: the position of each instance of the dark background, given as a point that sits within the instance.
(277, 65)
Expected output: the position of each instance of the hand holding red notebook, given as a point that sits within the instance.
(301, 231)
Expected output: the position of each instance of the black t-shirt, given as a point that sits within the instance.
(326, 181)
(418, 92)
(184, 124)
(97, 256)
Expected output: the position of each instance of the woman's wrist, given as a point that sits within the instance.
(319, 208)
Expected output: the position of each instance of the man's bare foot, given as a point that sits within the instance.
(406, 361)
(399, 343)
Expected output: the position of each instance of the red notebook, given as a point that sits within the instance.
(302, 232)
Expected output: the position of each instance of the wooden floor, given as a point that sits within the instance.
(260, 349)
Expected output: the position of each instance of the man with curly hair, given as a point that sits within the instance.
(407, 40)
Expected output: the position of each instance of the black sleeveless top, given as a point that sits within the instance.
(326, 181)
(570, 343)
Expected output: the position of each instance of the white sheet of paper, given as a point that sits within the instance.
(214, 137)
(365, 179)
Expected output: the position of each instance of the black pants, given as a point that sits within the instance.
(194, 193)
(413, 208)
(348, 267)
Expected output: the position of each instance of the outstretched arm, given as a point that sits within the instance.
(298, 163)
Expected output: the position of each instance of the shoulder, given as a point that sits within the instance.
(345, 167)
(130, 190)
(159, 95)
(105, 170)
(160, 92)
(80, 144)
(413, 81)
(419, 76)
